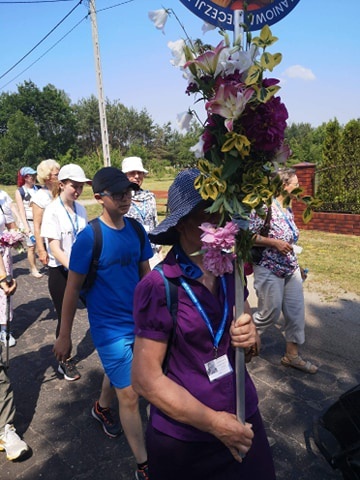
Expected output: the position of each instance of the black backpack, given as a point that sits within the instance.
(97, 247)
(337, 434)
(26, 196)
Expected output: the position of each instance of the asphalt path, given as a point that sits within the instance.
(53, 415)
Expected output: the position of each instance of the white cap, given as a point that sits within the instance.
(72, 172)
(133, 164)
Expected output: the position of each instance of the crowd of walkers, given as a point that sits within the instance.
(176, 350)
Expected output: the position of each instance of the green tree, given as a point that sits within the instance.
(86, 112)
(19, 146)
(330, 171)
(301, 138)
(51, 112)
(350, 153)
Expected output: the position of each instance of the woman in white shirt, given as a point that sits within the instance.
(63, 219)
(47, 175)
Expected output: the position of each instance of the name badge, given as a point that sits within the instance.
(218, 368)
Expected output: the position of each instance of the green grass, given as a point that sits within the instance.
(332, 260)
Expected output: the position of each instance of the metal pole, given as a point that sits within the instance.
(102, 111)
(239, 352)
(238, 19)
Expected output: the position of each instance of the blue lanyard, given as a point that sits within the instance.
(218, 335)
(75, 226)
(287, 220)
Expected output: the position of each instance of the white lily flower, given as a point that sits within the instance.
(177, 51)
(198, 149)
(207, 27)
(159, 18)
(224, 63)
(184, 120)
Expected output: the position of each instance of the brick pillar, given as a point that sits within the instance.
(306, 175)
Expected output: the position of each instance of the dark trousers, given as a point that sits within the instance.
(174, 459)
(7, 407)
(57, 284)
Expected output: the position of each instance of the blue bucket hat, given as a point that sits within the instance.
(182, 199)
(27, 171)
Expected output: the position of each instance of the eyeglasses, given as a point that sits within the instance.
(294, 184)
(117, 196)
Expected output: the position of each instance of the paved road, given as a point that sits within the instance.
(67, 443)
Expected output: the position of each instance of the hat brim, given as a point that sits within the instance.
(76, 179)
(142, 170)
(166, 233)
(116, 189)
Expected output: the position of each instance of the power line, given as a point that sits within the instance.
(36, 1)
(41, 41)
(45, 53)
(53, 46)
(113, 6)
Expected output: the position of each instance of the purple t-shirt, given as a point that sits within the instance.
(192, 347)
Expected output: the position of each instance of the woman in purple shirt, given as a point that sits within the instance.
(193, 432)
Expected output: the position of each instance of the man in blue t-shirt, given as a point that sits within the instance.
(123, 261)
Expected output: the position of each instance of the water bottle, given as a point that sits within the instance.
(306, 271)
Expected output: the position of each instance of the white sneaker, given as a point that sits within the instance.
(12, 443)
(12, 341)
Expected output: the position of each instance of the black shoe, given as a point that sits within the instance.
(111, 426)
(69, 370)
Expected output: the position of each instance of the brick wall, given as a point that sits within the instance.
(344, 223)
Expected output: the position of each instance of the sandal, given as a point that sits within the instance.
(299, 363)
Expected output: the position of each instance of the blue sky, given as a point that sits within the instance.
(319, 42)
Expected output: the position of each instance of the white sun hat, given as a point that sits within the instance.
(72, 172)
(133, 164)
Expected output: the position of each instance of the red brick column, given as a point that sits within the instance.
(306, 175)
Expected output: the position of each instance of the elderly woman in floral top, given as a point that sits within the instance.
(277, 276)
(143, 202)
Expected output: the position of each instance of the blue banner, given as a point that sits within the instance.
(220, 12)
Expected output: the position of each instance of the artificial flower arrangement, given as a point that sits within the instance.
(242, 142)
(13, 239)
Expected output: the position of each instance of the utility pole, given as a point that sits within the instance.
(102, 110)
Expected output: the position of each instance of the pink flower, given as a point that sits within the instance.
(218, 262)
(207, 62)
(218, 243)
(229, 102)
(12, 239)
(222, 238)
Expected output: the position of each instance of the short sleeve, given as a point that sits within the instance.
(256, 222)
(6, 207)
(82, 250)
(50, 227)
(151, 315)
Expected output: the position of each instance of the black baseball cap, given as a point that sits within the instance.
(112, 180)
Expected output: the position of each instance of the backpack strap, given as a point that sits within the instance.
(22, 192)
(171, 290)
(139, 230)
(96, 252)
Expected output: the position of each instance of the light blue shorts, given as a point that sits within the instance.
(117, 359)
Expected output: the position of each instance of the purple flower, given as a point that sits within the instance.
(265, 125)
